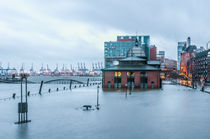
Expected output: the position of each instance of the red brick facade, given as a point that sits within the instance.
(152, 76)
(153, 53)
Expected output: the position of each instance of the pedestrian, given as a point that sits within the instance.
(202, 85)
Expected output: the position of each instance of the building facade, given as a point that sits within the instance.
(116, 50)
(187, 51)
(199, 66)
(161, 58)
(133, 71)
(170, 64)
(153, 52)
(181, 46)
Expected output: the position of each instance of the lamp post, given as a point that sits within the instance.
(97, 104)
(23, 106)
(130, 87)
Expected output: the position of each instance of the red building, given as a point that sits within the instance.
(185, 56)
(132, 71)
(153, 52)
(170, 64)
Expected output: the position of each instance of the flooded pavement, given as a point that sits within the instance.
(176, 112)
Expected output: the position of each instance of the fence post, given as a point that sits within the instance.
(40, 89)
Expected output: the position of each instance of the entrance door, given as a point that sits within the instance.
(109, 84)
(143, 80)
(117, 80)
(152, 85)
(130, 80)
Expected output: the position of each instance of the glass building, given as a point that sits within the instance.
(116, 50)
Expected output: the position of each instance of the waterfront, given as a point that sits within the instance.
(174, 112)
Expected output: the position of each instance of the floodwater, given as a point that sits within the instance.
(176, 112)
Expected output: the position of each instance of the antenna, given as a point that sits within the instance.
(63, 68)
(99, 66)
(22, 66)
(78, 66)
(96, 66)
(56, 66)
(8, 66)
(81, 65)
(32, 67)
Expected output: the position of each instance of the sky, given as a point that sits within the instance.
(70, 31)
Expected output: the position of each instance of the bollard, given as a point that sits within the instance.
(13, 95)
(70, 84)
(75, 86)
(57, 89)
(28, 93)
(97, 104)
(49, 90)
(88, 81)
(64, 88)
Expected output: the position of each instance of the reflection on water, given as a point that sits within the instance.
(22, 131)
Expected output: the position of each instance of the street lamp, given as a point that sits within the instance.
(23, 106)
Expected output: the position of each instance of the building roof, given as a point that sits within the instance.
(153, 62)
(133, 58)
(131, 68)
(136, 51)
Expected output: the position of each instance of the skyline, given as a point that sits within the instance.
(75, 31)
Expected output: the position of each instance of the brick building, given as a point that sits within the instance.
(170, 64)
(198, 66)
(153, 52)
(134, 70)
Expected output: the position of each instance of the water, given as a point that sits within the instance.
(6, 90)
(174, 112)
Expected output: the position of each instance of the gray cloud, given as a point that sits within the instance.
(54, 31)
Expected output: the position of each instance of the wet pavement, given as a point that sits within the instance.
(176, 112)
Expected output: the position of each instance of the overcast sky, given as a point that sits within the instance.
(71, 31)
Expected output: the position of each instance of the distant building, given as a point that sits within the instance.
(161, 58)
(153, 52)
(170, 64)
(161, 55)
(186, 54)
(199, 66)
(201, 49)
(181, 46)
(184, 59)
(135, 71)
(116, 50)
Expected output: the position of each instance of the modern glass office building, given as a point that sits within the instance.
(116, 50)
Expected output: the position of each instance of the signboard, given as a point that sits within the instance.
(22, 107)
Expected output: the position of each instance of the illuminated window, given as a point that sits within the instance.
(130, 73)
(117, 74)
